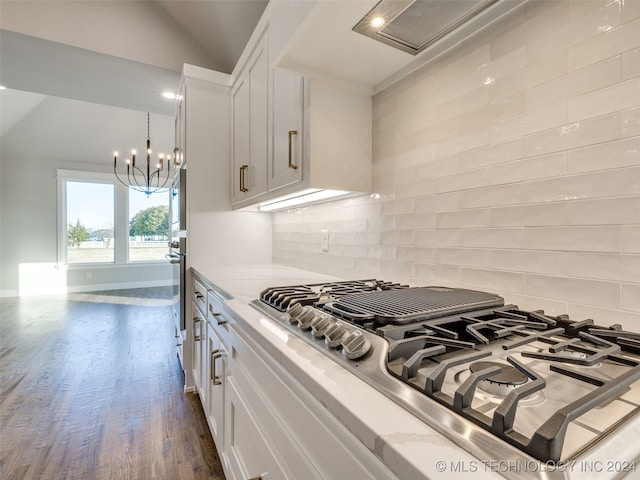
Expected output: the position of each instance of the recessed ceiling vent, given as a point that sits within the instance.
(414, 25)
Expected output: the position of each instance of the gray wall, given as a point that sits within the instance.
(61, 133)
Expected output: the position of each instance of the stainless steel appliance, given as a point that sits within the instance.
(558, 398)
(178, 246)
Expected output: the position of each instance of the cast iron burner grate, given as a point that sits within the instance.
(410, 305)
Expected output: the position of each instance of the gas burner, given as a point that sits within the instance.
(536, 382)
(503, 382)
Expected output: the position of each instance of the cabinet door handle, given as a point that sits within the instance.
(215, 354)
(243, 169)
(217, 316)
(291, 134)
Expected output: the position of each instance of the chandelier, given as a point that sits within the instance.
(149, 178)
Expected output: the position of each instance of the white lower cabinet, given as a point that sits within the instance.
(199, 334)
(264, 422)
(248, 451)
(216, 385)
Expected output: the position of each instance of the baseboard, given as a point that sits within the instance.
(85, 288)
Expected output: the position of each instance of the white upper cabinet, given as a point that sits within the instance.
(285, 162)
(250, 127)
(294, 134)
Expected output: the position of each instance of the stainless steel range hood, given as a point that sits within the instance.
(414, 25)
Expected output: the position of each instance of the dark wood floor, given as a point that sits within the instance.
(91, 388)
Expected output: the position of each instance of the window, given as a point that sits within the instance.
(148, 226)
(89, 225)
(102, 222)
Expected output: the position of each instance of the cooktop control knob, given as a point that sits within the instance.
(306, 318)
(334, 334)
(319, 326)
(355, 345)
(294, 312)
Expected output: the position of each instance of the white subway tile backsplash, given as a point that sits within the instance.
(509, 164)
(631, 238)
(493, 237)
(630, 10)
(441, 275)
(534, 261)
(608, 211)
(609, 43)
(604, 156)
(544, 166)
(448, 237)
(492, 112)
(573, 135)
(462, 142)
(493, 280)
(490, 71)
(530, 122)
(471, 218)
(577, 239)
(631, 64)
(415, 222)
(609, 183)
(631, 297)
(510, 194)
(575, 83)
(462, 181)
(467, 257)
(529, 215)
(624, 268)
(577, 290)
(414, 254)
(535, 73)
(630, 122)
(415, 189)
(491, 155)
(610, 99)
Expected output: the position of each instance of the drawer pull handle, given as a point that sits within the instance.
(218, 316)
(243, 169)
(291, 134)
(215, 354)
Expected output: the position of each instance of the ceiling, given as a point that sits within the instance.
(118, 53)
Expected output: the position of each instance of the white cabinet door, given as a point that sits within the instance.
(181, 126)
(250, 128)
(250, 456)
(285, 166)
(216, 380)
(240, 143)
(199, 336)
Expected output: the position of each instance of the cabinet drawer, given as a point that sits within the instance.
(313, 442)
(200, 296)
(216, 317)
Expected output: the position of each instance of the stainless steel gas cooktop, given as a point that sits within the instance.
(501, 382)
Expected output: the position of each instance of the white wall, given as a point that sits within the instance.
(68, 134)
(139, 31)
(512, 164)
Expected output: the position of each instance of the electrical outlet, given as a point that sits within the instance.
(324, 240)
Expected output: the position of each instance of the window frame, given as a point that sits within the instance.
(120, 221)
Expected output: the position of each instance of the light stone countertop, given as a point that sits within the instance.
(409, 448)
